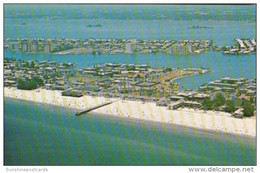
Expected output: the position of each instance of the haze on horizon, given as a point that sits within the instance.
(132, 12)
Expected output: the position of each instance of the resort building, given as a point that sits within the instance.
(238, 113)
(182, 103)
(162, 102)
(126, 81)
(175, 105)
(9, 83)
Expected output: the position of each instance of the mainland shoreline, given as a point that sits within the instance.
(206, 120)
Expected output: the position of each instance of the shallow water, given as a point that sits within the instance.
(36, 134)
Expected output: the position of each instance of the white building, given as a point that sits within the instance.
(129, 47)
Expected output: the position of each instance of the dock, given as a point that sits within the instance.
(93, 108)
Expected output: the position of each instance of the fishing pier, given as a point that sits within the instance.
(93, 108)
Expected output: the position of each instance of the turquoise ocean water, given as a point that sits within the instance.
(36, 134)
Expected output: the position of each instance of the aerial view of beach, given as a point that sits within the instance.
(129, 84)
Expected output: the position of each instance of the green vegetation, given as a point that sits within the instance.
(219, 100)
(207, 104)
(238, 102)
(129, 68)
(230, 106)
(30, 84)
(62, 48)
(94, 52)
(214, 104)
(168, 70)
(248, 108)
(225, 48)
(66, 65)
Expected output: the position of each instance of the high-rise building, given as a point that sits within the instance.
(34, 46)
(14, 46)
(129, 47)
(24, 45)
(11, 46)
(47, 47)
(190, 49)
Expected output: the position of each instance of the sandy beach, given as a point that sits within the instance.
(210, 120)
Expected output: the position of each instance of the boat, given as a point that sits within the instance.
(200, 27)
(97, 25)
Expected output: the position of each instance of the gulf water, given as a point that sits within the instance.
(36, 134)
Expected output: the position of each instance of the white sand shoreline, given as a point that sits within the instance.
(216, 121)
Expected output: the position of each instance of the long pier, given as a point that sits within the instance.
(93, 108)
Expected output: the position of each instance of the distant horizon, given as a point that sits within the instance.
(131, 12)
